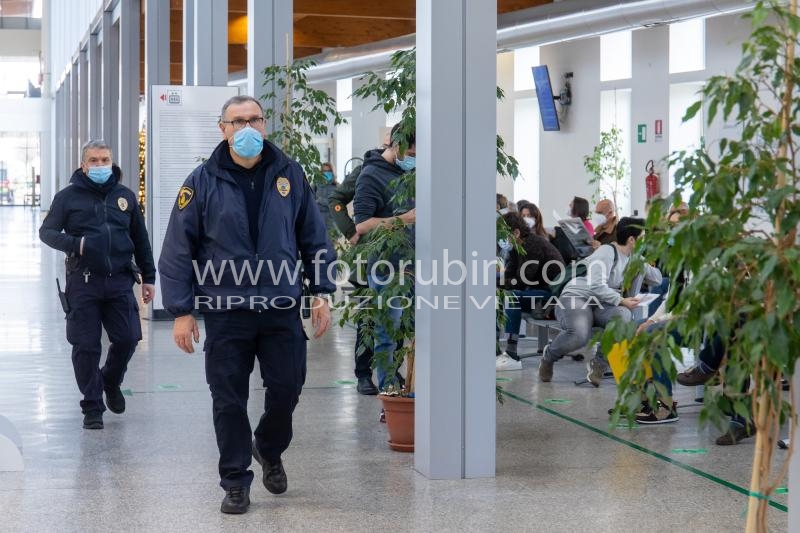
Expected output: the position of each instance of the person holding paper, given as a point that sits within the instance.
(249, 215)
(97, 222)
(595, 299)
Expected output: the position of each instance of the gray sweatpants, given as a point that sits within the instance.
(576, 320)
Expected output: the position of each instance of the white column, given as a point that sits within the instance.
(83, 96)
(128, 150)
(367, 124)
(110, 82)
(188, 42)
(49, 148)
(210, 46)
(269, 42)
(456, 116)
(794, 465)
(74, 119)
(95, 96)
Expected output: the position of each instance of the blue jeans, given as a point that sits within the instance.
(384, 343)
(525, 303)
(661, 290)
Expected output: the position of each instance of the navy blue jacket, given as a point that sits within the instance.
(208, 229)
(107, 216)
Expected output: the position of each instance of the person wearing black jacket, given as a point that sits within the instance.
(96, 221)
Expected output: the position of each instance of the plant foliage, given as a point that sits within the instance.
(608, 168)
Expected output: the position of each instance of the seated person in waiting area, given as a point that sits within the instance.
(605, 223)
(528, 276)
(595, 298)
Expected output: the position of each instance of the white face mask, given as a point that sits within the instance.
(530, 221)
(503, 211)
(598, 219)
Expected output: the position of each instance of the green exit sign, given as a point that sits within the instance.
(641, 133)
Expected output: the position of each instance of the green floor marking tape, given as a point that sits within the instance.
(168, 386)
(502, 380)
(689, 450)
(557, 401)
(127, 392)
(782, 490)
(688, 468)
(345, 382)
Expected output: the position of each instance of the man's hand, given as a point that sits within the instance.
(409, 217)
(595, 244)
(148, 292)
(354, 239)
(183, 331)
(320, 316)
(630, 303)
(644, 325)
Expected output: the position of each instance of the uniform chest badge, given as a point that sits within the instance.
(122, 203)
(338, 208)
(185, 196)
(284, 187)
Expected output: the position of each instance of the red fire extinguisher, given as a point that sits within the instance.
(652, 181)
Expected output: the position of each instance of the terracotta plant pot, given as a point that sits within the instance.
(399, 422)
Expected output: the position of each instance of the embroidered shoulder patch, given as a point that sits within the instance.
(122, 203)
(284, 187)
(185, 196)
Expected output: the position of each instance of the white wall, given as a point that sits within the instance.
(505, 115)
(20, 43)
(561, 168)
(20, 115)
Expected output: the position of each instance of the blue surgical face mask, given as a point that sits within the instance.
(248, 142)
(99, 175)
(328, 176)
(505, 245)
(408, 164)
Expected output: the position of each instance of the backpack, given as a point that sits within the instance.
(578, 269)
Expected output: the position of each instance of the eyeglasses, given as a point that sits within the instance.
(239, 123)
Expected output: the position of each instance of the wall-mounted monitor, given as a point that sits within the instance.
(544, 94)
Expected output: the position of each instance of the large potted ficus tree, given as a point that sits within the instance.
(607, 167)
(397, 92)
(738, 249)
(304, 113)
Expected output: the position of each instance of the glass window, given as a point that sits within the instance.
(526, 149)
(615, 56)
(344, 90)
(687, 46)
(16, 73)
(683, 135)
(19, 166)
(524, 59)
(615, 110)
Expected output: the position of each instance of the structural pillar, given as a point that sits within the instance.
(95, 97)
(269, 42)
(188, 42)
(366, 123)
(48, 152)
(456, 92)
(110, 72)
(83, 96)
(128, 149)
(794, 464)
(74, 117)
(210, 47)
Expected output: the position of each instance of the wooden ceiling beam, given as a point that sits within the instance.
(393, 10)
(319, 32)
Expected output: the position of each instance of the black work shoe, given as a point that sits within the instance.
(236, 501)
(366, 387)
(115, 401)
(93, 420)
(736, 433)
(274, 474)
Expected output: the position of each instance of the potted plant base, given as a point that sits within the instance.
(399, 421)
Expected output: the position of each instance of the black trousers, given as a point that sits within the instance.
(102, 301)
(364, 359)
(234, 339)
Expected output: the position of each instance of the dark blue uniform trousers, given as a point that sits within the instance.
(103, 301)
(233, 340)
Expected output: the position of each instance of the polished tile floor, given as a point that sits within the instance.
(154, 468)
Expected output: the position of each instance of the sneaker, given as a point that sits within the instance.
(661, 415)
(545, 366)
(382, 417)
(236, 501)
(115, 401)
(93, 420)
(736, 433)
(274, 475)
(597, 369)
(503, 362)
(694, 376)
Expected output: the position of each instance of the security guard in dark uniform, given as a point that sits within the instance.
(96, 221)
(249, 215)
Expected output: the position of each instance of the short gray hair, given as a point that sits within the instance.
(95, 144)
(239, 99)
